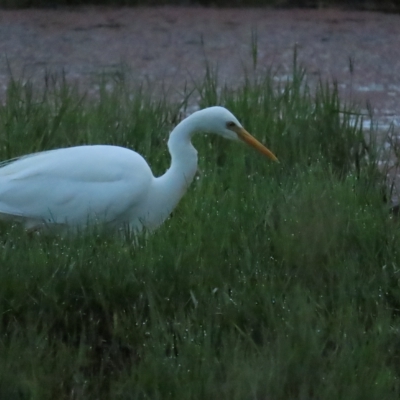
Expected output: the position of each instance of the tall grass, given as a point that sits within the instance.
(270, 281)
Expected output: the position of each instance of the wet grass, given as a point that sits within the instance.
(270, 281)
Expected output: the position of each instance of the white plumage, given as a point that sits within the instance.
(81, 185)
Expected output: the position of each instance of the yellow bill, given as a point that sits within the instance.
(253, 142)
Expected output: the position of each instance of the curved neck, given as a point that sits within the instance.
(170, 187)
(183, 154)
(183, 159)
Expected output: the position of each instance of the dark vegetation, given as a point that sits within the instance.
(270, 281)
(382, 5)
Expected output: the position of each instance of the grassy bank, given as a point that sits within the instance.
(270, 281)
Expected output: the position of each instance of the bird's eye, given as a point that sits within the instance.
(230, 125)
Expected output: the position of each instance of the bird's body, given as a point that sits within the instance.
(80, 185)
(75, 185)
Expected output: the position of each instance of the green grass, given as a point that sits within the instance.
(270, 281)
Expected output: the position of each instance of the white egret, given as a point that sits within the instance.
(76, 185)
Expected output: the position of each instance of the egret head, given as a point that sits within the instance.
(222, 122)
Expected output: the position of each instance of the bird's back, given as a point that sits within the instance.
(73, 184)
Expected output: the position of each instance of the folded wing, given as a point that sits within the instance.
(74, 185)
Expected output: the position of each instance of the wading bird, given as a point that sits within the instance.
(71, 187)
